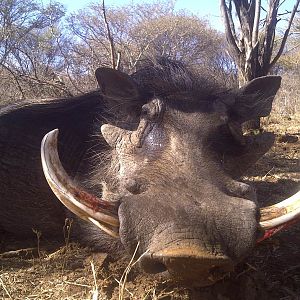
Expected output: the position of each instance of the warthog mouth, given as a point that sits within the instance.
(104, 214)
(190, 265)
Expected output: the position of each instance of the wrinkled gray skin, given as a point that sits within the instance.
(172, 161)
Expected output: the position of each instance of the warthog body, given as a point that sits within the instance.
(169, 158)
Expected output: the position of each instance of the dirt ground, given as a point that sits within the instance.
(73, 272)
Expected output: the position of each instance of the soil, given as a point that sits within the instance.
(49, 271)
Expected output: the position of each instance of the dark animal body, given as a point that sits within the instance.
(26, 200)
(169, 156)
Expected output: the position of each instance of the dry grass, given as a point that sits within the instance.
(73, 272)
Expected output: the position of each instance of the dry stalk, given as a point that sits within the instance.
(268, 173)
(67, 232)
(38, 235)
(95, 292)
(77, 284)
(4, 288)
(123, 279)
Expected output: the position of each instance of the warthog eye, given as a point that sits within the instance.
(152, 110)
(145, 111)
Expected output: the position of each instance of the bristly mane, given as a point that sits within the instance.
(179, 84)
(165, 77)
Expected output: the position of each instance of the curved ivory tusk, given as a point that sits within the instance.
(101, 213)
(280, 213)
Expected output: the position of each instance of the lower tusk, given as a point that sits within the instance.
(101, 213)
(106, 229)
(280, 213)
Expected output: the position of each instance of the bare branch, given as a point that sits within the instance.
(118, 60)
(231, 22)
(256, 22)
(143, 50)
(30, 60)
(72, 81)
(285, 36)
(267, 42)
(263, 9)
(60, 87)
(293, 48)
(110, 38)
(282, 2)
(16, 80)
(287, 13)
(229, 28)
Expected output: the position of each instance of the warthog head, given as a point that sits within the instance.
(169, 182)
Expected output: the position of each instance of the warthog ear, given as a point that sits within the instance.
(255, 98)
(116, 84)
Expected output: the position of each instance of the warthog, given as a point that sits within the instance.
(152, 159)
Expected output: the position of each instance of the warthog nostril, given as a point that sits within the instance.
(152, 265)
(216, 273)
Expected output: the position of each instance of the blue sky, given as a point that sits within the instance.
(208, 9)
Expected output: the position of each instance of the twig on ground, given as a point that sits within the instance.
(95, 292)
(15, 253)
(4, 288)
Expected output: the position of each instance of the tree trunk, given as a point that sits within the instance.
(252, 45)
